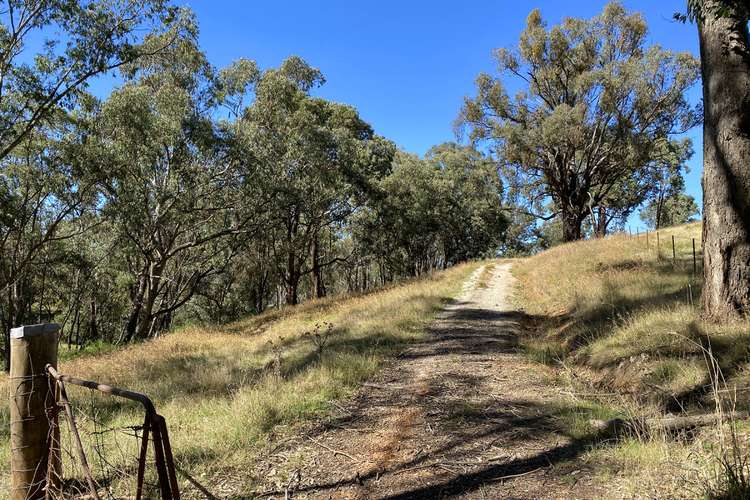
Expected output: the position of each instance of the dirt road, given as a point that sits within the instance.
(461, 414)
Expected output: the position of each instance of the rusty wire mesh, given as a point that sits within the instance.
(111, 435)
(104, 446)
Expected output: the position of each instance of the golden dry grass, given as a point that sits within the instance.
(617, 307)
(624, 317)
(223, 403)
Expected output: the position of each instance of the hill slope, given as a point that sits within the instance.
(620, 321)
(226, 391)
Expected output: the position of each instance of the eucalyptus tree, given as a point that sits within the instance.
(596, 106)
(42, 79)
(662, 179)
(317, 158)
(91, 37)
(401, 227)
(170, 187)
(475, 219)
(43, 200)
(432, 212)
(725, 68)
(676, 208)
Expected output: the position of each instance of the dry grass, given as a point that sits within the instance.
(224, 405)
(624, 318)
(615, 307)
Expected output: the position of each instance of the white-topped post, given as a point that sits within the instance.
(32, 408)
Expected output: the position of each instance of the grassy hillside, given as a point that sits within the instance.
(621, 319)
(229, 392)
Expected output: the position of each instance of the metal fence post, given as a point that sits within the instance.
(674, 253)
(32, 409)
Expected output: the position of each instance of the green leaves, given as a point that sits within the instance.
(595, 104)
(445, 208)
(99, 35)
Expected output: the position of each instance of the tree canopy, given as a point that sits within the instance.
(596, 111)
(199, 193)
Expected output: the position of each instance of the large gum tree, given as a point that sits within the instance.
(50, 50)
(725, 67)
(594, 107)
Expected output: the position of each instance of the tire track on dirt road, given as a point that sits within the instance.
(460, 414)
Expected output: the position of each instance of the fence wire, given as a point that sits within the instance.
(668, 247)
(102, 443)
(110, 433)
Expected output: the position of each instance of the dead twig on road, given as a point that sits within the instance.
(520, 474)
(335, 452)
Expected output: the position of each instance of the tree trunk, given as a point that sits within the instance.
(292, 279)
(571, 225)
(135, 310)
(260, 292)
(14, 318)
(93, 330)
(292, 296)
(147, 318)
(292, 272)
(318, 284)
(725, 66)
(659, 212)
(601, 222)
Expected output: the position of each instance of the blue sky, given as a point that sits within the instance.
(406, 65)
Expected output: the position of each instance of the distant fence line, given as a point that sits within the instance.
(655, 235)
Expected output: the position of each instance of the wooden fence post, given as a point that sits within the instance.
(695, 270)
(658, 246)
(32, 406)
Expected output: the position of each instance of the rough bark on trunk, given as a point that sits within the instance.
(725, 67)
(571, 224)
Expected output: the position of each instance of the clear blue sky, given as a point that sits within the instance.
(406, 64)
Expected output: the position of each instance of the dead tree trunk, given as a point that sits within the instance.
(725, 66)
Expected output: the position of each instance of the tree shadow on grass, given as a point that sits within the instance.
(202, 375)
(467, 426)
(586, 324)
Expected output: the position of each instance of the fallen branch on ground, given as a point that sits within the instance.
(335, 452)
(617, 426)
(520, 474)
